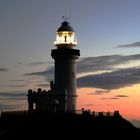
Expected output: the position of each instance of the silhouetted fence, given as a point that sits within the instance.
(6, 113)
(98, 114)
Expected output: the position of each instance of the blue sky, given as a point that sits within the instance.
(107, 31)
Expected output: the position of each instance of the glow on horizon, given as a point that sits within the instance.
(128, 104)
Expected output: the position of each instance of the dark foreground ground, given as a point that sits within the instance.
(66, 126)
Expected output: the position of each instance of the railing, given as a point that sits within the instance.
(6, 113)
(97, 114)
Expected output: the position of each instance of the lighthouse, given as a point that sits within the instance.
(62, 94)
(65, 56)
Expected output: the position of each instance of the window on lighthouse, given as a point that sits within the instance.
(65, 38)
(34, 106)
(73, 74)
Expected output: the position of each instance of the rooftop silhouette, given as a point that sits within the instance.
(58, 124)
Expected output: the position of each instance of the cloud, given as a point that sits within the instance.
(6, 107)
(104, 63)
(93, 64)
(134, 44)
(12, 95)
(121, 96)
(17, 85)
(113, 98)
(17, 81)
(13, 101)
(43, 85)
(19, 63)
(88, 64)
(89, 104)
(17, 105)
(111, 80)
(46, 73)
(99, 92)
(3, 69)
(111, 77)
(37, 63)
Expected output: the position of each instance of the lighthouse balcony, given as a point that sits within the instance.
(64, 52)
(61, 43)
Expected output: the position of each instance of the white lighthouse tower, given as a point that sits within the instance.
(65, 56)
(62, 94)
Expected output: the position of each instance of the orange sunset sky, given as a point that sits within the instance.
(128, 105)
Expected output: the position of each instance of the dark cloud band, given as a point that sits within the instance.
(134, 44)
(3, 69)
(115, 78)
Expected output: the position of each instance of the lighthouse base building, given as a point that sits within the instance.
(62, 94)
(47, 101)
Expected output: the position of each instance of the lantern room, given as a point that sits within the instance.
(65, 36)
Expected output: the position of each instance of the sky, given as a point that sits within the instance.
(108, 71)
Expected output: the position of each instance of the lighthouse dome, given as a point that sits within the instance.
(65, 27)
(65, 36)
